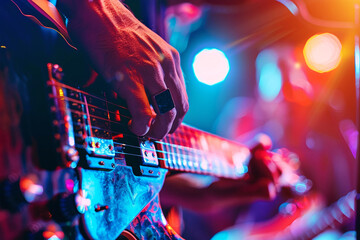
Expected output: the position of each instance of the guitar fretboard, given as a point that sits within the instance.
(192, 150)
(186, 150)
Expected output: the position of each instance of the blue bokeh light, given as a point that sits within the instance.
(211, 66)
(270, 81)
(268, 75)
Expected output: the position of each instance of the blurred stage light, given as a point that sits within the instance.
(269, 75)
(290, 5)
(322, 52)
(211, 66)
(270, 81)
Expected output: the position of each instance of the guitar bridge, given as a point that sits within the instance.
(148, 152)
(101, 153)
(98, 147)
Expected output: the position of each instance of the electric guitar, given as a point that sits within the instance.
(77, 171)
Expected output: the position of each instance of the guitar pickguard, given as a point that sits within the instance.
(125, 195)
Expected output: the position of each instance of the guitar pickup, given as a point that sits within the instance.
(148, 152)
(98, 147)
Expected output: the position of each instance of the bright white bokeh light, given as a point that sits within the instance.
(211, 66)
(322, 52)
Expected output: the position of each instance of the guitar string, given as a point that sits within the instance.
(180, 166)
(217, 161)
(198, 168)
(69, 99)
(105, 101)
(169, 136)
(106, 110)
(186, 151)
(171, 165)
(108, 120)
(200, 153)
(83, 92)
(185, 156)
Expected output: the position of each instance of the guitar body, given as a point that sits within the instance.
(151, 224)
(126, 195)
(123, 193)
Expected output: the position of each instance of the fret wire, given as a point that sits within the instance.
(173, 157)
(178, 151)
(107, 107)
(190, 163)
(181, 135)
(199, 159)
(169, 157)
(88, 116)
(179, 161)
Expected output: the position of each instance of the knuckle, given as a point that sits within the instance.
(183, 109)
(172, 114)
(168, 61)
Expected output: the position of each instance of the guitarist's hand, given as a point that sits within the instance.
(136, 61)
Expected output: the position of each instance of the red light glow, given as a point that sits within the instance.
(30, 188)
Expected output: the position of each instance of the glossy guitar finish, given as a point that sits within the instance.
(151, 224)
(125, 194)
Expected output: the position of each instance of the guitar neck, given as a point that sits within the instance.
(196, 151)
(186, 150)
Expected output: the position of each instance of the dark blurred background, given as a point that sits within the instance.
(285, 68)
